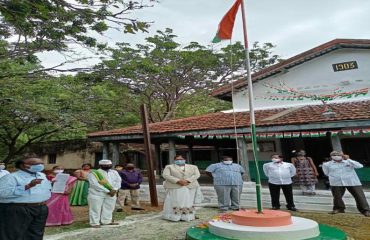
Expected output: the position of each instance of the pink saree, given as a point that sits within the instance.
(59, 210)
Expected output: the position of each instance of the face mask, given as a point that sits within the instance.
(36, 168)
(228, 162)
(106, 167)
(337, 158)
(180, 162)
(2, 167)
(276, 160)
(58, 171)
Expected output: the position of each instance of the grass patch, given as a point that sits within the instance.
(355, 225)
(117, 216)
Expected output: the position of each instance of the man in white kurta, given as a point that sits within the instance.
(102, 200)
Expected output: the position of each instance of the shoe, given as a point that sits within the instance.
(196, 217)
(336, 211)
(293, 209)
(275, 208)
(366, 214)
(119, 210)
(112, 223)
(96, 226)
(137, 208)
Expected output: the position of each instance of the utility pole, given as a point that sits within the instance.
(149, 156)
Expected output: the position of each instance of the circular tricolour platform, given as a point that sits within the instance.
(326, 233)
(300, 228)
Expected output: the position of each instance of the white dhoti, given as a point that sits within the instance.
(101, 209)
(178, 204)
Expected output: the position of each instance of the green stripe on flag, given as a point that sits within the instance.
(216, 39)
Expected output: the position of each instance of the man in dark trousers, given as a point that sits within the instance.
(23, 196)
(342, 177)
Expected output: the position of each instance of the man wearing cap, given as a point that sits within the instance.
(103, 186)
(342, 176)
(3, 172)
(23, 196)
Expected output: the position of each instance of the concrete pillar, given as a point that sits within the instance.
(335, 143)
(171, 151)
(243, 157)
(115, 157)
(105, 150)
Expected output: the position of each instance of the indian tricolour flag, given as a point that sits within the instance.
(225, 28)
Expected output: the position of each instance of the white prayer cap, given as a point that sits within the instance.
(105, 162)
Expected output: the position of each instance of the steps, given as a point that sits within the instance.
(321, 202)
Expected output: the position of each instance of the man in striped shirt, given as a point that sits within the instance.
(228, 183)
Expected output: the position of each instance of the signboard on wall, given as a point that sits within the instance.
(345, 66)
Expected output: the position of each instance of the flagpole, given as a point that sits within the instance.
(251, 110)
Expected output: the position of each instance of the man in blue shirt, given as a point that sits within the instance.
(23, 196)
(228, 183)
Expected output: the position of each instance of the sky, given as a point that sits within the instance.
(293, 26)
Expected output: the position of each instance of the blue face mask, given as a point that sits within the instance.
(36, 168)
(180, 162)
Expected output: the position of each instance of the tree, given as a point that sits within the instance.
(59, 108)
(34, 26)
(232, 60)
(164, 73)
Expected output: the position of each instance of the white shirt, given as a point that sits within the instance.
(3, 173)
(342, 173)
(279, 173)
(112, 177)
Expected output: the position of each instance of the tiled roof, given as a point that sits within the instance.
(293, 61)
(307, 114)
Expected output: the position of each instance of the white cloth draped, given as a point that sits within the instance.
(178, 204)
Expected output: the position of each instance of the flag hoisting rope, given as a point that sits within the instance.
(224, 32)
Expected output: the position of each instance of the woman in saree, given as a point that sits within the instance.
(79, 193)
(59, 211)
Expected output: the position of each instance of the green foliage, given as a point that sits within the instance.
(58, 108)
(164, 73)
(34, 26)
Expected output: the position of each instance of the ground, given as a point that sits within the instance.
(148, 225)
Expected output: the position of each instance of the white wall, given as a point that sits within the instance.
(314, 76)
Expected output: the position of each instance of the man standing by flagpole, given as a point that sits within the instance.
(225, 32)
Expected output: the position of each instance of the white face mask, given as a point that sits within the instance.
(276, 160)
(58, 171)
(337, 158)
(228, 162)
(2, 167)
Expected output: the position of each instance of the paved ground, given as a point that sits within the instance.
(150, 226)
(139, 227)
